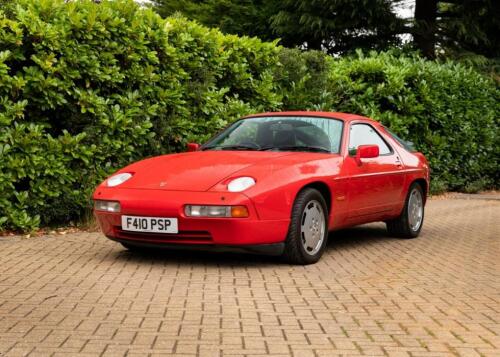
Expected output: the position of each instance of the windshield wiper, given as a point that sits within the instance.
(296, 148)
(232, 147)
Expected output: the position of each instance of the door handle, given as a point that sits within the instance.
(399, 164)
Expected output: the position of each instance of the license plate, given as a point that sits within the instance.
(149, 224)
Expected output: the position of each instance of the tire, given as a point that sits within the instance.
(409, 224)
(308, 231)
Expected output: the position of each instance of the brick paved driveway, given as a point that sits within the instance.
(369, 295)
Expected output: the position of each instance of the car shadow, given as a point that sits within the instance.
(197, 257)
(357, 236)
(338, 241)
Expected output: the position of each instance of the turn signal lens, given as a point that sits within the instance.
(239, 212)
(107, 206)
(216, 211)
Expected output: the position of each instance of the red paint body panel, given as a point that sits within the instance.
(372, 190)
(192, 171)
(155, 203)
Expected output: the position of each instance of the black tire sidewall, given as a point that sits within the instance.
(414, 233)
(294, 237)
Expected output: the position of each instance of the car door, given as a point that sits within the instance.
(375, 184)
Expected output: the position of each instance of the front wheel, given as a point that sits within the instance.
(308, 231)
(409, 223)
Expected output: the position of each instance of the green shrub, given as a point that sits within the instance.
(449, 111)
(87, 88)
(304, 79)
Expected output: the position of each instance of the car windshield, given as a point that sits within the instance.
(280, 133)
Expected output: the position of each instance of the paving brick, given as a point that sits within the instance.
(438, 295)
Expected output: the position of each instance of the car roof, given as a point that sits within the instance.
(316, 114)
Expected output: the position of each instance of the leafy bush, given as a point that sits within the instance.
(304, 79)
(449, 111)
(86, 88)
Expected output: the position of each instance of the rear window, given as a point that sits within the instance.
(408, 145)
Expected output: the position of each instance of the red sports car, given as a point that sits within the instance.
(272, 183)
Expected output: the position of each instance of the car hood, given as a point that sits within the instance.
(193, 171)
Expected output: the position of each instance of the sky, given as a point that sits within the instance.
(405, 9)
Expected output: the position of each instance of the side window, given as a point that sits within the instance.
(363, 134)
(408, 145)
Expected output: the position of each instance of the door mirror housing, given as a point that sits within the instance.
(193, 147)
(366, 152)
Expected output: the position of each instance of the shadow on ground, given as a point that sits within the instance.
(357, 236)
(337, 242)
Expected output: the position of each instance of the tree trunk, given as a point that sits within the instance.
(424, 33)
(314, 44)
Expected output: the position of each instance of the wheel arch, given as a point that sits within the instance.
(323, 189)
(423, 183)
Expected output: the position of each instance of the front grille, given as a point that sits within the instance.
(198, 237)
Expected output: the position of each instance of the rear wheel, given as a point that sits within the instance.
(308, 231)
(409, 223)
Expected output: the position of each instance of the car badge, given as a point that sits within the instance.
(163, 184)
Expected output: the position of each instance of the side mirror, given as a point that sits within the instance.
(193, 147)
(366, 152)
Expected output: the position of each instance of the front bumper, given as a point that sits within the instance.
(206, 232)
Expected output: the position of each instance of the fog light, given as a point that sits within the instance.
(216, 211)
(107, 206)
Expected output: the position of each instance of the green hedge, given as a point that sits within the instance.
(86, 88)
(449, 111)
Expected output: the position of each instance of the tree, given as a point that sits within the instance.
(470, 26)
(424, 30)
(244, 17)
(457, 26)
(450, 27)
(337, 26)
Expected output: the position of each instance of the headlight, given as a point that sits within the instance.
(240, 184)
(107, 206)
(216, 211)
(118, 179)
